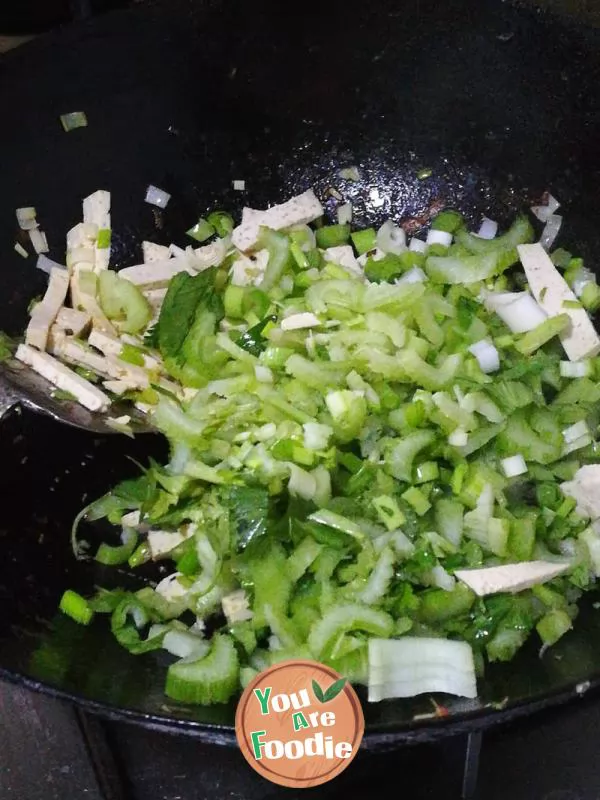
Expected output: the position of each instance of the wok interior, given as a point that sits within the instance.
(499, 103)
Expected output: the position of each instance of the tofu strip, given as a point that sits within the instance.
(63, 378)
(107, 366)
(551, 292)
(300, 210)
(45, 313)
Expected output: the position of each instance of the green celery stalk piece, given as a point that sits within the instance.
(278, 246)
(212, 679)
(332, 235)
(520, 232)
(449, 221)
(121, 300)
(542, 333)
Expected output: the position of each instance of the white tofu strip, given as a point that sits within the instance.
(56, 338)
(96, 211)
(63, 378)
(157, 274)
(154, 252)
(551, 291)
(44, 313)
(110, 346)
(299, 210)
(108, 366)
(117, 387)
(73, 321)
(510, 577)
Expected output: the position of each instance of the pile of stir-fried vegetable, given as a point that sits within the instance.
(382, 453)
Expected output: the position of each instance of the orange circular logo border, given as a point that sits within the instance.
(348, 713)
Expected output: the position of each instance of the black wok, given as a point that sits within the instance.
(499, 102)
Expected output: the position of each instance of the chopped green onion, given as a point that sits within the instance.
(104, 237)
(72, 120)
(415, 498)
(77, 607)
(201, 231)
(222, 222)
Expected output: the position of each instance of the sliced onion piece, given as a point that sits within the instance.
(583, 276)
(344, 214)
(458, 438)
(488, 229)
(21, 250)
(513, 466)
(414, 275)
(518, 310)
(583, 441)
(391, 238)
(350, 174)
(544, 211)
(417, 245)
(442, 579)
(410, 666)
(185, 645)
(239, 186)
(576, 431)
(439, 237)
(550, 231)
(157, 197)
(486, 354)
(575, 369)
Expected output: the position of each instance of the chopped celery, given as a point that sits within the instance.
(332, 235)
(417, 500)
(211, 679)
(278, 247)
(534, 339)
(222, 222)
(519, 233)
(449, 221)
(123, 302)
(201, 231)
(553, 626)
(364, 240)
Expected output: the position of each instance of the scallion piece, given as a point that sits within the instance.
(77, 607)
(201, 231)
(74, 119)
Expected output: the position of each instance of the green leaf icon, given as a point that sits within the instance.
(334, 690)
(318, 692)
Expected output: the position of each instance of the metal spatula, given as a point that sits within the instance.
(21, 386)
